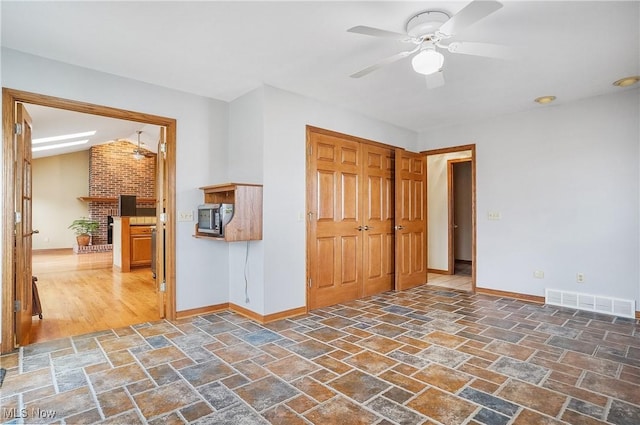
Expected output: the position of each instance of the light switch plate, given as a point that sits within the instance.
(493, 215)
(185, 215)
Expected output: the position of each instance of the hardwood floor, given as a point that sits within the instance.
(80, 293)
(460, 282)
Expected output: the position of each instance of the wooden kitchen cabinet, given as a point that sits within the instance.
(132, 242)
(140, 240)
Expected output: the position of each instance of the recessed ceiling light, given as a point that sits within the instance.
(59, 145)
(63, 137)
(627, 81)
(543, 100)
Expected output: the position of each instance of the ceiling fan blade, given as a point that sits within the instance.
(375, 32)
(489, 50)
(435, 80)
(383, 62)
(471, 14)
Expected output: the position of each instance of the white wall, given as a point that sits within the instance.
(565, 179)
(202, 266)
(286, 116)
(438, 208)
(57, 182)
(267, 145)
(245, 159)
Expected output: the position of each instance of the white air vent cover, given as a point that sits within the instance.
(588, 302)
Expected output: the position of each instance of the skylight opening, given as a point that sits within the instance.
(63, 137)
(58, 145)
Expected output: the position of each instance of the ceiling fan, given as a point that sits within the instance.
(429, 32)
(139, 153)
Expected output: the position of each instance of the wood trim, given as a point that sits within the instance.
(246, 313)
(515, 295)
(87, 108)
(9, 98)
(450, 218)
(183, 314)
(242, 311)
(8, 199)
(349, 137)
(269, 317)
(471, 147)
(438, 271)
(294, 312)
(104, 199)
(474, 214)
(637, 314)
(451, 262)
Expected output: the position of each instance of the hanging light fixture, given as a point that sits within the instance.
(428, 61)
(136, 152)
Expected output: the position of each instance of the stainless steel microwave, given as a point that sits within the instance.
(212, 218)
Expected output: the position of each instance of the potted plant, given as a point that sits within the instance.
(84, 228)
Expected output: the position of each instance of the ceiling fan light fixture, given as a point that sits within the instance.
(427, 62)
(136, 152)
(627, 81)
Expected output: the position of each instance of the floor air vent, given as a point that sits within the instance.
(588, 302)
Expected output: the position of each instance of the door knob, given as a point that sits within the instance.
(360, 228)
(399, 227)
(35, 231)
(368, 227)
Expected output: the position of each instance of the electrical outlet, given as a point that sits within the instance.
(538, 274)
(493, 215)
(185, 215)
(580, 277)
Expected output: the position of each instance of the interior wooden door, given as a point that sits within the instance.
(23, 227)
(378, 234)
(335, 232)
(161, 210)
(410, 219)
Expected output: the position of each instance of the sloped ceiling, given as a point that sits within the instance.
(571, 49)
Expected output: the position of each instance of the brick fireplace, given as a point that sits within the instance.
(113, 171)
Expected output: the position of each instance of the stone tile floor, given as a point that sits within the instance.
(425, 356)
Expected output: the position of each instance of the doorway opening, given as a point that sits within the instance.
(100, 180)
(452, 217)
(13, 264)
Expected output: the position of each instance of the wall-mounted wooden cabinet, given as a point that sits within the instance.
(246, 223)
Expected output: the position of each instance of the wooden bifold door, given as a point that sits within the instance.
(355, 220)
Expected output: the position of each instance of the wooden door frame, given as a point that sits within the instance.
(472, 148)
(9, 98)
(451, 211)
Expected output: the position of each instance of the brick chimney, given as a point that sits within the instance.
(113, 171)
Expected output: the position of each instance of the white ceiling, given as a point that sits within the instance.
(49, 122)
(572, 49)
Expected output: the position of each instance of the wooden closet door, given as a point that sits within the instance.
(378, 234)
(334, 252)
(411, 220)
